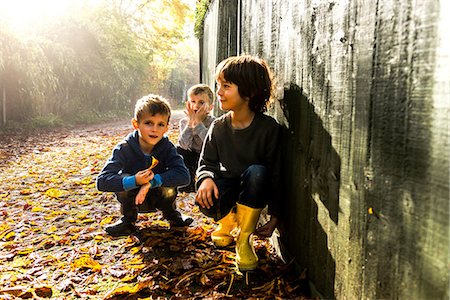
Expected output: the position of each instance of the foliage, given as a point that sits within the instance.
(98, 59)
(200, 13)
(50, 120)
(52, 243)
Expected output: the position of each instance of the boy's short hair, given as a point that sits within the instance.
(253, 77)
(152, 104)
(201, 89)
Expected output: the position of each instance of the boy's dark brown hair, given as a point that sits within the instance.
(152, 104)
(201, 89)
(253, 77)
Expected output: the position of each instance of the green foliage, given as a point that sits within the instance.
(85, 66)
(94, 116)
(200, 13)
(49, 120)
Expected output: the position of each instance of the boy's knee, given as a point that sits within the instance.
(209, 212)
(256, 175)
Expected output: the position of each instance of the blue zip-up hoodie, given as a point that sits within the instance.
(128, 158)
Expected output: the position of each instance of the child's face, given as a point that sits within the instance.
(198, 101)
(228, 96)
(151, 129)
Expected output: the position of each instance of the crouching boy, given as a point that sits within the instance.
(129, 169)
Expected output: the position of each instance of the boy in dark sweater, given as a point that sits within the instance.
(239, 167)
(128, 169)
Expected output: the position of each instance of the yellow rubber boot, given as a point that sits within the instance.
(247, 217)
(222, 237)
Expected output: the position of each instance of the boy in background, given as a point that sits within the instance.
(193, 128)
(128, 169)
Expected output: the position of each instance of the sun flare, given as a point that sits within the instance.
(22, 15)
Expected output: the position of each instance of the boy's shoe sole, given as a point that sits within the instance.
(120, 229)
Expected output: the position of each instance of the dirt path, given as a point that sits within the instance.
(52, 243)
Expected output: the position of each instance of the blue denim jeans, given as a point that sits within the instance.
(250, 189)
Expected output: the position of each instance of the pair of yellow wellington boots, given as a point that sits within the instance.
(245, 218)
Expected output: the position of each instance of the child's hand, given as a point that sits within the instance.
(144, 176)
(204, 196)
(202, 112)
(189, 112)
(196, 117)
(140, 197)
(267, 229)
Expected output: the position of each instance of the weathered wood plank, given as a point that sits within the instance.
(363, 92)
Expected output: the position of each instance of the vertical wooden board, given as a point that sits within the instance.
(314, 186)
(406, 186)
(354, 182)
(227, 29)
(387, 142)
(209, 45)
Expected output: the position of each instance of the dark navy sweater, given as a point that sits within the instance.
(127, 159)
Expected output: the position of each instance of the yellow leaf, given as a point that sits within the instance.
(154, 163)
(98, 237)
(56, 180)
(56, 237)
(106, 220)
(86, 180)
(130, 289)
(36, 209)
(139, 267)
(83, 215)
(135, 261)
(54, 193)
(83, 249)
(135, 250)
(20, 261)
(87, 221)
(10, 235)
(53, 214)
(25, 251)
(74, 229)
(83, 202)
(130, 277)
(85, 261)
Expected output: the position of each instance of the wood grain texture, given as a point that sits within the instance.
(363, 95)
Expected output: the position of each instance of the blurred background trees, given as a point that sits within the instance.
(92, 59)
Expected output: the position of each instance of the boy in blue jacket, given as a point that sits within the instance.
(128, 169)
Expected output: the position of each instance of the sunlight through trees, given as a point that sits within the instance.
(77, 61)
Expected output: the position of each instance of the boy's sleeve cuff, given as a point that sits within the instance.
(156, 181)
(129, 183)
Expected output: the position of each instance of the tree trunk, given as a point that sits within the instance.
(4, 106)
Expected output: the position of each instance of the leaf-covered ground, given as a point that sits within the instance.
(52, 243)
